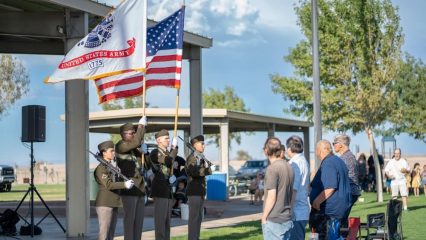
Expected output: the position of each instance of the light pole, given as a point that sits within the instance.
(316, 79)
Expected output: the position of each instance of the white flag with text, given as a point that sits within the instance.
(115, 45)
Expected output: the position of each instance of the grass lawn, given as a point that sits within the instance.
(413, 220)
(47, 191)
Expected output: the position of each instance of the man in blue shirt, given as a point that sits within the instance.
(330, 191)
(300, 201)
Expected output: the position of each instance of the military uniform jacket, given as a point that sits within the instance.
(162, 162)
(196, 176)
(129, 160)
(107, 191)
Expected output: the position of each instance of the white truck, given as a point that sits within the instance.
(7, 177)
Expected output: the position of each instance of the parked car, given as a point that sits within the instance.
(251, 167)
(7, 177)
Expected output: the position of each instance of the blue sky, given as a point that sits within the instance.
(250, 39)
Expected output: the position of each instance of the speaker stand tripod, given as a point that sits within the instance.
(30, 191)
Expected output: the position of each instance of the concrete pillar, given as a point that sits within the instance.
(195, 92)
(224, 149)
(271, 130)
(77, 138)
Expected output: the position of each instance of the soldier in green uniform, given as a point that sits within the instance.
(196, 169)
(129, 160)
(162, 163)
(107, 199)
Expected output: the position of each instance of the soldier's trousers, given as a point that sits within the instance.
(107, 217)
(162, 210)
(133, 207)
(196, 208)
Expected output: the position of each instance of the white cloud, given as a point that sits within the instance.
(221, 7)
(238, 42)
(277, 15)
(238, 29)
(244, 8)
(195, 19)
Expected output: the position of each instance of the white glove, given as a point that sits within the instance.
(143, 121)
(174, 143)
(129, 184)
(172, 179)
(213, 168)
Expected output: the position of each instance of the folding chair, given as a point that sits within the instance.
(376, 221)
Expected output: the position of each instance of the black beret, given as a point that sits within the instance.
(161, 133)
(126, 127)
(103, 146)
(199, 138)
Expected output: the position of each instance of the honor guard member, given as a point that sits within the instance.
(129, 161)
(107, 199)
(197, 169)
(162, 163)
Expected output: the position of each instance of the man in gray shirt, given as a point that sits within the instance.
(279, 177)
(341, 147)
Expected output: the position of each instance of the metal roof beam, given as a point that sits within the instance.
(88, 6)
(44, 47)
(102, 10)
(31, 24)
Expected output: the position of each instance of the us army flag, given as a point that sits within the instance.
(116, 45)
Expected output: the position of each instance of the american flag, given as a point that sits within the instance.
(163, 62)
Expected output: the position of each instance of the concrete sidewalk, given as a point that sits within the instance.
(219, 214)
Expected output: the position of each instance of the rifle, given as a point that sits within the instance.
(198, 155)
(109, 166)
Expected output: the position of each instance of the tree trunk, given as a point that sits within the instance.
(379, 179)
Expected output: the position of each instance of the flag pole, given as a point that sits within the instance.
(144, 94)
(143, 45)
(176, 113)
(176, 120)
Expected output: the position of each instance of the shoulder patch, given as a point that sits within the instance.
(104, 176)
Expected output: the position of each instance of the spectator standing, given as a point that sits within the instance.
(330, 192)
(371, 176)
(279, 177)
(396, 169)
(416, 179)
(300, 202)
(341, 147)
(362, 172)
(259, 190)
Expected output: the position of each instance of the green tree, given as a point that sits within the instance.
(360, 51)
(227, 99)
(14, 82)
(410, 85)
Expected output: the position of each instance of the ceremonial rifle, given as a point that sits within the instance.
(198, 155)
(109, 166)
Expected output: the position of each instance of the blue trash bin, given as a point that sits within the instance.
(216, 186)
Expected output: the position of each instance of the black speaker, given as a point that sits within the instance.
(33, 123)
